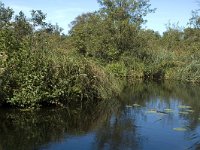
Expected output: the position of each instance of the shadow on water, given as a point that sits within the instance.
(146, 116)
(26, 129)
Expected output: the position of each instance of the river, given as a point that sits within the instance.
(147, 116)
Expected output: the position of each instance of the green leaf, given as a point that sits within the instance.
(168, 110)
(136, 105)
(184, 107)
(190, 110)
(151, 111)
(128, 106)
(183, 112)
(180, 129)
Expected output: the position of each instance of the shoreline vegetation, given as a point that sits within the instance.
(41, 66)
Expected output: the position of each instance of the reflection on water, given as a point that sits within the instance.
(147, 116)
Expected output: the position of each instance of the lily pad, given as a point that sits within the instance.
(184, 107)
(152, 111)
(180, 129)
(128, 106)
(183, 112)
(136, 105)
(190, 110)
(168, 110)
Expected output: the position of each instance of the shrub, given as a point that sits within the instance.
(40, 77)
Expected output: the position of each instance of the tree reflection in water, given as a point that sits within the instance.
(113, 125)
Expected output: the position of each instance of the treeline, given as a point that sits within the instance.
(41, 66)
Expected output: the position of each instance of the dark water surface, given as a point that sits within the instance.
(148, 116)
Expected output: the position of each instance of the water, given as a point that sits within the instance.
(147, 116)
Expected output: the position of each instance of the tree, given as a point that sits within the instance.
(125, 18)
(38, 18)
(6, 31)
(21, 25)
(195, 19)
(133, 11)
(192, 33)
(5, 15)
(112, 30)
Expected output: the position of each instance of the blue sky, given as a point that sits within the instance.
(64, 11)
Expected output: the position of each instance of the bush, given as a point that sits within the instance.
(37, 77)
(117, 68)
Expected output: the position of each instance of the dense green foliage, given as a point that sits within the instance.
(41, 66)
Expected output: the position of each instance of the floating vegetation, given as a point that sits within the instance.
(136, 105)
(168, 110)
(152, 111)
(180, 129)
(128, 106)
(198, 118)
(156, 111)
(184, 107)
(190, 110)
(183, 112)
